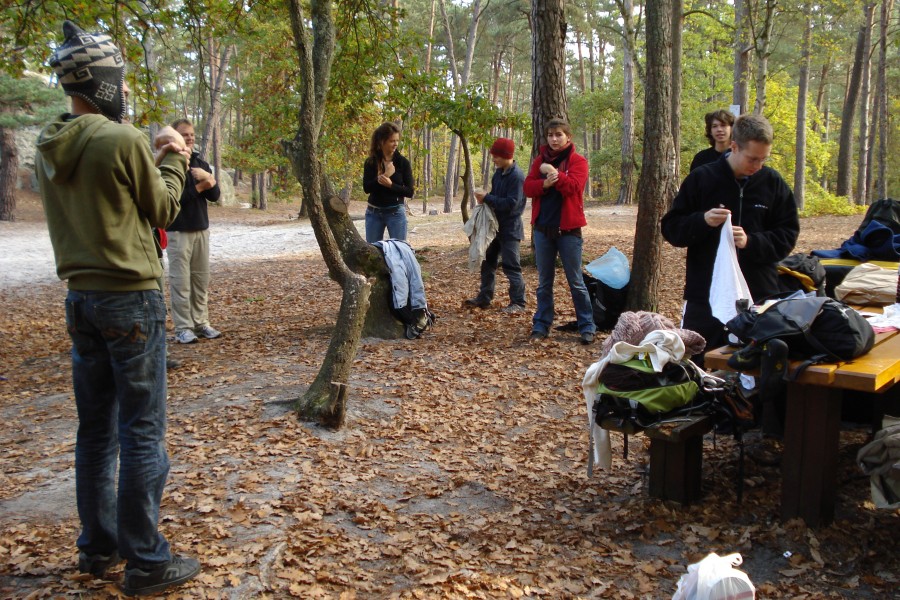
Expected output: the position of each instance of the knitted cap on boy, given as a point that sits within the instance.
(503, 148)
(90, 66)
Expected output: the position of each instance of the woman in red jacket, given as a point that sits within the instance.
(555, 183)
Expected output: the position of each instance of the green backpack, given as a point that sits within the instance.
(634, 391)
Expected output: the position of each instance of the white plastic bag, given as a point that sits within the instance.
(611, 268)
(715, 578)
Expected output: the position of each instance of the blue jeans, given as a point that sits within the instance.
(507, 253)
(119, 378)
(393, 218)
(568, 248)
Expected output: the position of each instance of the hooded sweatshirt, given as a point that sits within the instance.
(102, 194)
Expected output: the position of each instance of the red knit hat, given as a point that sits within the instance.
(503, 148)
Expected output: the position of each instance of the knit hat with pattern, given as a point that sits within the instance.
(90, 66)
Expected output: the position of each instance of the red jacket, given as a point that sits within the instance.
(570, 185)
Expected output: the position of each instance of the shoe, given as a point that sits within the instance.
(537, 336)
(139, 582)
(205, 331)
(172, 363)
(185, 336)
(477, 303)
(513, 309)
(97, 564)
(587, 338)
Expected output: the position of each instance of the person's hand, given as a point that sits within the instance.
(548, 169)
(169, 140)
(716, 216)
(389, 168)
(200, 175)
(740, 237)
(385, 181)
(479, 195)
(551, 179)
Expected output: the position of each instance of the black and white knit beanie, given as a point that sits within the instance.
(90, 66)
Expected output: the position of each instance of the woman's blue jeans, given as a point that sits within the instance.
(119, 378)
(393, 219)
(568, 248)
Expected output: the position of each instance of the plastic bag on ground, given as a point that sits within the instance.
(715, 578)
(611, 268)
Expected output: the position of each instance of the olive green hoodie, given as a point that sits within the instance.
(102, 193)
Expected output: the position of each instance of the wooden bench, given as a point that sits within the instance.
(813, 419)
(676, 455)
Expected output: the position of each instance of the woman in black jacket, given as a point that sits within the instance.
(388, 179)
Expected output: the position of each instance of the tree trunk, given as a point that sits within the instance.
(677, 25)
(626, 180)
(845, 143)
(820, 94)
(740, 89)
(862, 157)
(548, 67)
(802, 93)
(881, 102)
(657, 185)
(466, 178)
(585, 133)
(763, 50)
(263, 187)
(9, 173)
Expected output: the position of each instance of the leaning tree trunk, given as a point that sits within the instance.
(9, 168)
(325, 400)
(548, 67)
(464, 203)
(657, 185)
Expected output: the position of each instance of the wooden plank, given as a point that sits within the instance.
(809, 464)
(875, 371)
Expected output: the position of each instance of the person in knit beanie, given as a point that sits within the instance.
(103, 192)
(508, 202)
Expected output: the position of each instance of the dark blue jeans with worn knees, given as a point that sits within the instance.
(393, 218)
(119, 377)
(505, 252)
(568, 248)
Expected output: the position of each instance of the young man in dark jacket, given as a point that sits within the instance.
(764, 222)
(508, 203)
(103, 191)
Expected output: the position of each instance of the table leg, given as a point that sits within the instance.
(809, 464)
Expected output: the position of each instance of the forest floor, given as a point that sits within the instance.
(461, 471)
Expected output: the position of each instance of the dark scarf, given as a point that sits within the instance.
(557, 158)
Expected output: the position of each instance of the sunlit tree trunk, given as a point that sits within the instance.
(881, 102)
(845, 144)
(802, 93)
(862, 156)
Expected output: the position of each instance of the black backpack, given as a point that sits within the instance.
(802, 272)
(607, 302)
(816, 329)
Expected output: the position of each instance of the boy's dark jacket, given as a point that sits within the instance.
(765, 208)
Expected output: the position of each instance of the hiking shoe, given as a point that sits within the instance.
(139, 582)
(185, 336)
(513, 309)
(97, 564)
(205, 331)
(747, 358)
(477, 302)
(172, 363)
(587, 338)
(537, 336)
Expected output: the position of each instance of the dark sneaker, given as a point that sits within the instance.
(537, 336)
(139, 582)
(97, 564)
(513, 309)
(587, 338)
(477, 302)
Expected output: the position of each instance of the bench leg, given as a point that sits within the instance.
(809, 464)
(676, 469)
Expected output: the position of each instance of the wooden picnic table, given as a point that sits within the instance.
(813, 419)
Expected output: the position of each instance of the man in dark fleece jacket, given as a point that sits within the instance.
(103, 191)
(508, 203)
(764, 222)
